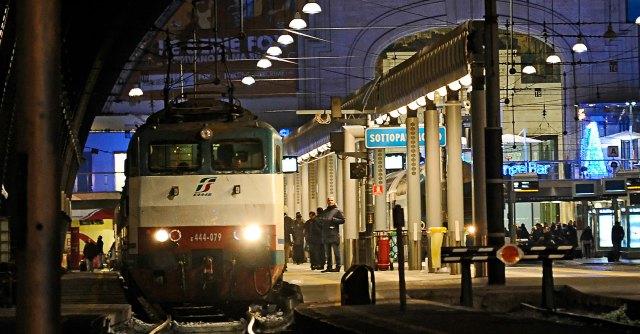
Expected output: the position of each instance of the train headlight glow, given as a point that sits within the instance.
(251, 232)
(161, 235)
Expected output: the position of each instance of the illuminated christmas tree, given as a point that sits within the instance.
(591, 153)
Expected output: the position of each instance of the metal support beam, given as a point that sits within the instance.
(321, 172)
(349, 196)
(38, 110)
(493, 142)
(380, 204)
(304, 179)
(478, 123)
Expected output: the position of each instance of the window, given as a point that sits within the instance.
(119, 159)
(237, 155)
(174, 157)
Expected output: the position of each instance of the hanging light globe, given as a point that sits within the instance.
(248, 80)
(311, 7)
(394, 114)
(553, 59)
(379, 120)
(442, 91)
(264, 63)
(285, 39)
(135, 91)
(529, 69)
(421, 101)
(431, 95)
(297, 23)
(274, 51)
(403, 110)
(579, 47)
(638, 20)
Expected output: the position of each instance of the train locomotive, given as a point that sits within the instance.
(200, 219)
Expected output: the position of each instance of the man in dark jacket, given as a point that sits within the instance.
(331, 219)
(617, 235)
(586, 238)
(298, 240)
(314, 241)
(90, 251)
(288, 228)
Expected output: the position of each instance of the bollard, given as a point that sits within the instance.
(466, 288)
(398, 223)
(547, 284)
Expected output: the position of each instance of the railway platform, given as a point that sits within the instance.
(88, 300)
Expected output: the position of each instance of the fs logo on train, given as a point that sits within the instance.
(204, 187)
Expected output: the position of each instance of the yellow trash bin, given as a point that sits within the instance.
(437, 235)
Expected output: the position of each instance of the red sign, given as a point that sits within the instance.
(509, 254)
(378, 189)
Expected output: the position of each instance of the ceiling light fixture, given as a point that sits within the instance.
(274, 50)
(311, 7)
(580, 47)
(553, 59)
(466, 80)
(529, 69)
(248, 80)
(454, 86)
(297, 23)
(431, 95)
(442, 91)
(285, 39)
(403, 110)
(421, 101)
(264, 63)
(135, 91)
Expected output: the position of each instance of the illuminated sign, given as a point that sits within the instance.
(284, 132)
(526, 186)
(396, 137)
(512, 169)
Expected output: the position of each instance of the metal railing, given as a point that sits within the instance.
(99, 182)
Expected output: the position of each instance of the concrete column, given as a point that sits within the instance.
(337, 164)
(290, 194)
(298, 192)
(414, 229)
(379, 201)
(455, 196)
(313, 187)
(331, 177)
(304, 188)
(349, 195)
(322, 183)
(433, 185)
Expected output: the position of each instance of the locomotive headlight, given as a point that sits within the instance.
(206, 133)
(251, 232)
(161, 235)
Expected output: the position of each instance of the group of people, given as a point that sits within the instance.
(567, 234)
(93, 252)
(320, 234)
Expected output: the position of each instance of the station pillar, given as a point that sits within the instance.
(312, 171)
(321, 171)
(290, 194)
(414, 226)
(478, 124)
(331, 178)
(455, 195)
(379, 199)
(304, 188)
(297, 192)
(349, 196)
(433, 186)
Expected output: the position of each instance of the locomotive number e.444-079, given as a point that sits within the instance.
(211, 237)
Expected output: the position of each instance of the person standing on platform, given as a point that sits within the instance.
(298, 239)
(89, 251)
(617, 235)
(587, 241)
(288, 227)
(331, 219)
(99, 251)
(314, 241)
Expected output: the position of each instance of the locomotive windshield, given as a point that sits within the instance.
(172, 157)
(237, 155)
